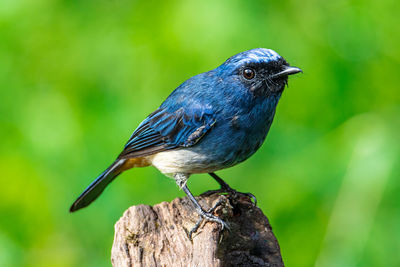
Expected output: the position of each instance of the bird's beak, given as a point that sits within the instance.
(288, 70)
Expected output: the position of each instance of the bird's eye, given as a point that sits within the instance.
(248, 73)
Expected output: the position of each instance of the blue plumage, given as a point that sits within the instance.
(212, 121)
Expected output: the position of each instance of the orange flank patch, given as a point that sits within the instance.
(136, 162)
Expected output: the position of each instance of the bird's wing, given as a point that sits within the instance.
(160, 131)
(163, 130)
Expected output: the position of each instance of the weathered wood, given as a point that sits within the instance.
(157, 236)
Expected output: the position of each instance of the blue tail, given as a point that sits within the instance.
(98, 186)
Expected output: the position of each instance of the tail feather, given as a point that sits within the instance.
(98, 185)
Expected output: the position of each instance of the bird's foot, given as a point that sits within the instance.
(225, 188)
(231, 191)
(208, 216)
(235, 193)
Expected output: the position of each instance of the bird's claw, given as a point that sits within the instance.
(251, 196)
(235, 194)
(232, 192)
(208, 216)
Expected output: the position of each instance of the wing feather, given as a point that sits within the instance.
(163, 130)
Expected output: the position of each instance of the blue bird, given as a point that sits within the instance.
(212, 121)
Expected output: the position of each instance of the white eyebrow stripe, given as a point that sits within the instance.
(257, 56)
(273, 55)
(266, 55)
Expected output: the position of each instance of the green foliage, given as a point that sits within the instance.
(77, 77)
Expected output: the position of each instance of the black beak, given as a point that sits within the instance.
(288, 70)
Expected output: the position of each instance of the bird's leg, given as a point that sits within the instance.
(226, 188)
(181, 180)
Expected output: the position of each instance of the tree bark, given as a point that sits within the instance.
(158, 235)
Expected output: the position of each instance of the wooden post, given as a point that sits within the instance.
(157, 236)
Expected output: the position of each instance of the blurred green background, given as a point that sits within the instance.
(77, 77)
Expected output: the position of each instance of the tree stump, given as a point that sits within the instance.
(158, 235)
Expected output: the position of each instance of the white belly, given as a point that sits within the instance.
(181, 161)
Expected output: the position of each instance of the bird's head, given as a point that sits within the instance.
(262, 71)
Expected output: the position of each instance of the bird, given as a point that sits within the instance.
(212, 121)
